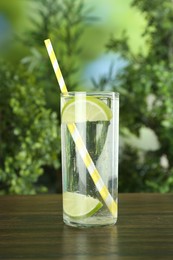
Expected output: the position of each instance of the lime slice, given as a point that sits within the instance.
(92, 109)
(79, 206)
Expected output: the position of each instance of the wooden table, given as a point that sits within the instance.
(31, 227)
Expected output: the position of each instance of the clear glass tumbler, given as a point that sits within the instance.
(89, 145)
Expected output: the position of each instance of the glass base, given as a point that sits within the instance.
(90, 222)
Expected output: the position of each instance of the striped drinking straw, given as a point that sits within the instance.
(106, 196)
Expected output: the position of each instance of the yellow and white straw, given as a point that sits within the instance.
(106, 196)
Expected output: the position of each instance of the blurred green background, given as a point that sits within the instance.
(124, 46)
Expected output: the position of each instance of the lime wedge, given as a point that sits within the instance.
(83, 109)
(79, 206)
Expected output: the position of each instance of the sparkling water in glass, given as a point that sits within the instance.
(101, 139)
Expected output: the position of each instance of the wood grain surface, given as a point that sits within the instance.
(31, 227)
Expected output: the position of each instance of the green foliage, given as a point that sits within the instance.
(29, 95)
(63, 22)
(146, 100)
(28, 132)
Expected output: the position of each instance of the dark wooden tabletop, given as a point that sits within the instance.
(31, 227)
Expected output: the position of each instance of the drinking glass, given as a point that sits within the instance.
(89, 146)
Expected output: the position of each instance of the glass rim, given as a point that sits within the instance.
(91, 93)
